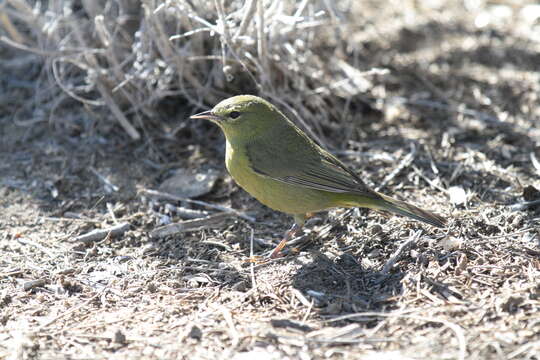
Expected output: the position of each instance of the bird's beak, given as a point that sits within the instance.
(206, 115)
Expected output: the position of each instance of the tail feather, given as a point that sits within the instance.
(405, 209)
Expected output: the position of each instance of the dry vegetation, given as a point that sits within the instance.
(436, 102)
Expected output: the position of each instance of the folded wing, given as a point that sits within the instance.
(304, 163)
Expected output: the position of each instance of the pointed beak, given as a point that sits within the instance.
(206, 115)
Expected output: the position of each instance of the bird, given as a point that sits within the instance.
(283, 168)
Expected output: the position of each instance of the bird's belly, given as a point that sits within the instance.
(275, 194)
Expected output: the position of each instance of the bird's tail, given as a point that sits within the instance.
(405, 209)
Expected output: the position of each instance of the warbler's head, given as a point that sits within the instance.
(243, 116)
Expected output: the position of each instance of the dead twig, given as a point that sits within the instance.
(70, 311)
(34, 283)
(189, 225)
(11, 29)
(43, 249)
(429, 181)
(525, 205)
(118, 114)
(14, 272)
(251, 255)
(458, 330)
(100, 234)
(163, 195)
(187, 213)
(406, 161)
(109, 186)
(251, 6)
(406, 246)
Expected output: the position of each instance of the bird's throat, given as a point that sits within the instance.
(229, 153)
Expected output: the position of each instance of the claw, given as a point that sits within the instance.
(276, 253)
(255, 259)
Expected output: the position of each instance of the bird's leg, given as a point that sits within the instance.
(299, 221)
(288, 236)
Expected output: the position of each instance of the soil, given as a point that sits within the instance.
(454, 128)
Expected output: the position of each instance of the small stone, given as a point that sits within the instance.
(458, 196)
(511, 304)
(119, 337)
(530, 193)
(152, 287)
(188, 183)
(376, 229)
(450, 243)
(195, 333)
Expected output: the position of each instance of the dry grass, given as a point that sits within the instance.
(453, 126)
(129, 56)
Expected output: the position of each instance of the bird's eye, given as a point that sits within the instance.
(234, 114)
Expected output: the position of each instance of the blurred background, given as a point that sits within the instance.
(339, 67)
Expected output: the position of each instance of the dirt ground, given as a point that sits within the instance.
(454, 128)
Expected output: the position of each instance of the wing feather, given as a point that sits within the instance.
(301, 162)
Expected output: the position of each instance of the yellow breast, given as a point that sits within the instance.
(275, 194)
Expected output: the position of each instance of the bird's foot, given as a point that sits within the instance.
(256, 259)
(275, 254)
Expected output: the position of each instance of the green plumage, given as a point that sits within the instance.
(277, 163)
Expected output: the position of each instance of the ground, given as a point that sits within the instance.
(454, 128)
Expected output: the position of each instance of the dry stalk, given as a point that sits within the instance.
(126, 56)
